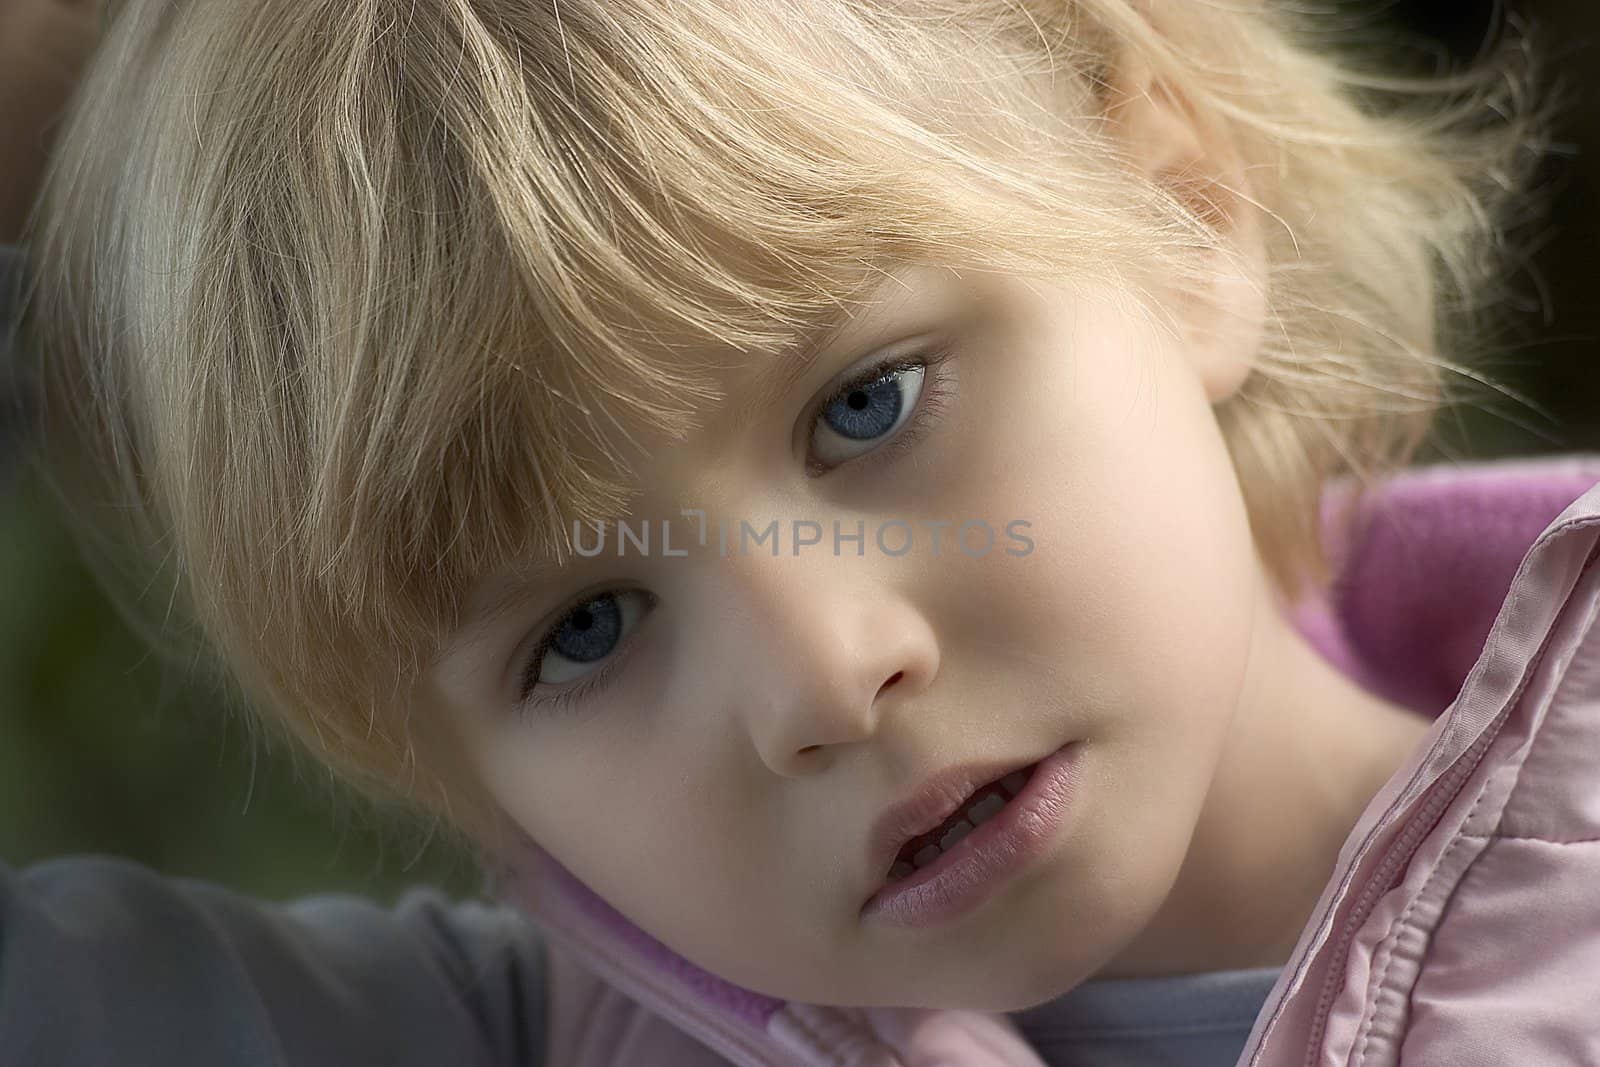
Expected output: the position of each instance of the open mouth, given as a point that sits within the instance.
(984, 804)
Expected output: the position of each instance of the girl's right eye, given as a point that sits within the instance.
(867, 412)
(585, 637)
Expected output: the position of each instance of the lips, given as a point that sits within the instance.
(928, 806)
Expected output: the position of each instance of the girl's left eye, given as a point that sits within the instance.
(868, 411)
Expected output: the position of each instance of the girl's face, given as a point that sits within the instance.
(707, 739)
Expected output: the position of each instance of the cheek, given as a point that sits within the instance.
(661, 843)
(1139, 591)
(615, 814)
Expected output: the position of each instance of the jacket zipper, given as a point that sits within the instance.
(1442, 794)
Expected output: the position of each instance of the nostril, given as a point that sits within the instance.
(893, 678)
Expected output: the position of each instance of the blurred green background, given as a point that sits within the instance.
(104, 749)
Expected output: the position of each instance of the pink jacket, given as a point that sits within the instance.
(1461, 924)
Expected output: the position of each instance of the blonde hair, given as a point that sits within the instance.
(337, 304)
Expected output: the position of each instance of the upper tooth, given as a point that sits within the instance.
(1014, 781)
(957, 832)
(985, 809)
(927, 855)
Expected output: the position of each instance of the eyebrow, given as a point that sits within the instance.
(500, 595)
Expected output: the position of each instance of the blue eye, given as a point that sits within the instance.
(584, 637)
(866, 413)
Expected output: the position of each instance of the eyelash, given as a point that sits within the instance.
(567, 701)
(930, 402)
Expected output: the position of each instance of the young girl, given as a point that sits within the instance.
(848, 507)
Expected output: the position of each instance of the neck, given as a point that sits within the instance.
(1307, 752)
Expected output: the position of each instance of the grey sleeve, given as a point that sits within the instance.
(105, 962)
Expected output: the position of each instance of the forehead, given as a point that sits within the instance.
(683, 249)
(749, 382)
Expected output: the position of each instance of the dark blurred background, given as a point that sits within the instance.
(103, 749)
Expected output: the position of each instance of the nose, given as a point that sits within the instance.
(823, 648)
